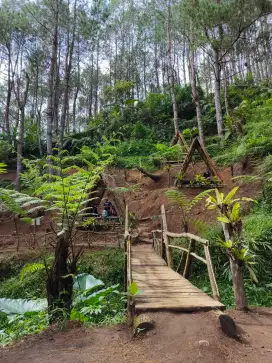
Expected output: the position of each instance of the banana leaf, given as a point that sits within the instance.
(21, 306)
(84, 282)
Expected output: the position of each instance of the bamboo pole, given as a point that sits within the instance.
(214, 286)
(169, 255)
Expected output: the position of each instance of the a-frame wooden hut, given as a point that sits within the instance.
(179, 138)
(196, 145)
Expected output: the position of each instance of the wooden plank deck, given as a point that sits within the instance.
(164, 289)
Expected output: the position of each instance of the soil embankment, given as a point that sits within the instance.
(177, 338)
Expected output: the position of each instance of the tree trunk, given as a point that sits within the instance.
(171, 71)
(90, 108)
(196, 97)
(7, 108)
(74, 109)
(96, 80)
(217, 88)
(157, 67)
(38, 120)
(226, 92)
(68, 68)
(19, 167)
(184, 63)
(21, 105)
(52, 88)
(241, 302)
(59, 283)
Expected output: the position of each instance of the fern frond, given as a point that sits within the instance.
(199, 198)
(36, 209)
(30, 269)
(199, 225)
(178, 198)
(245, 179)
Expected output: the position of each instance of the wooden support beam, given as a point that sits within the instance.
(198, 258)
(169, 255)
(179, 248)
(214, 286)
(126, 221)
(196, 145)
(187, 263)
(188, 235)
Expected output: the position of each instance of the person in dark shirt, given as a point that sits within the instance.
(107, 206)
(95, 209)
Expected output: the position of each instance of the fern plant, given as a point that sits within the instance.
(31, 268)
(64, 194)
(67, 195)
(186, 205)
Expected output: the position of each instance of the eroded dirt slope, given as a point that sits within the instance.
(177, 338)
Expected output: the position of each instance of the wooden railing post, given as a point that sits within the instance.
(126, 221)
(126, 265)
(188, 260)
(214, 286)
(169, 255)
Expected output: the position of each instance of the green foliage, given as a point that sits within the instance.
(5, 151)
(186, 205)
(251, 132)
(257, 294)
(31, 178)
(106, 265)
(92, 304)
(3, 168)
(200, 180)
(140, 131)
(146, 154)
(29, 269)
(21, 325)
(86, 282)
(31, 287)
(20, 306)
(229, 215)
(21, 205)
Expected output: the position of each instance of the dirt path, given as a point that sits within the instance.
(177, 338)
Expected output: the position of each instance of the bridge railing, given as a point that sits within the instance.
(128, 269)
(162, 246)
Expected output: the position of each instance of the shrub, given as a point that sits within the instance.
(32, 287)
(107, 265)
(5, 151)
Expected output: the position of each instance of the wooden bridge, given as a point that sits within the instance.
(161, 288)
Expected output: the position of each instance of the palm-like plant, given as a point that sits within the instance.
(186, 205)
(239, 255)
(65, 194)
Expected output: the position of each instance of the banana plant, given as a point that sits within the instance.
(229, 207)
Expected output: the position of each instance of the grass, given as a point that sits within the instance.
(106, 265)
(257, 294)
